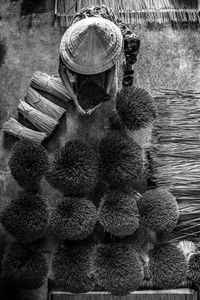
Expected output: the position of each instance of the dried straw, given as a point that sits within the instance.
(133, 11)
(177, 162)
(45, 106)
(38, 119)
(13, 127)
(50, 84)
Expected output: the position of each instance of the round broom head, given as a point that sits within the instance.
(74, 169)
(26, 217)
(167, 266)
(73, 218)
(118, 213)
(117, 268)
(136, 107)
(28, 163)
(121, 160)
(27, 267)
(158, 210)
(194, 268)
(71, 269)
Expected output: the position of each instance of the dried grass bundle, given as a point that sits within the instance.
(72, 268)
(137, 112)
(167, 266)
(73, 218)
(177, 161)
(50, 84)
(25, 266)
(74, 168)
(28, 163)
(45, 106)
(134, 11)
(188, 226)
(188, 248)
(121, 160)
(194, 268)
(12, 126)
(117, 268)
(26, 217)
(38, 119)
(158, 210)
(118, 213)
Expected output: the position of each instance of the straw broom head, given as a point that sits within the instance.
(136, 108)
(50, 84)
(41, 121)
(158, 210)
(118, 213)
(12, 126)
(121, 160)
(72, 269)
(117, 268)
(26, 217)
(194, 268)
(28, 163)
(187, 247)
(42, 104)
(74, 168)
(167, 266)
(73, 218)
(25, 266)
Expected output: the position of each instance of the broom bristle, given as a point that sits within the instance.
(38, 119)
(12, 126)
(42, 104)
(50, 84)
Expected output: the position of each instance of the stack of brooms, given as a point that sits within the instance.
(111, 240)
(43, 114)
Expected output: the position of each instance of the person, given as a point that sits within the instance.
(89, 50)
(131, 45)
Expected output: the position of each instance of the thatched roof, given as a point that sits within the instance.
(134, 11)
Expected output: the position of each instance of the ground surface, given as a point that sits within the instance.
(168, 58)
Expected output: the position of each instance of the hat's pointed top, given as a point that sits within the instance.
(91, 45)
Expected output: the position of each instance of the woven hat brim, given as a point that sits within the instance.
(76, 63)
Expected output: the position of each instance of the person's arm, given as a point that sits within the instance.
(62, 70)
(109, 76)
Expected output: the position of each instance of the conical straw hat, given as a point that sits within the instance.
(91, 45)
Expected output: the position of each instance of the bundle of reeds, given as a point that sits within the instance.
(177, 161)
(133, 11)
(41, 121)
(188, 226)
(12, 126)
(50, 84)
(42, 104)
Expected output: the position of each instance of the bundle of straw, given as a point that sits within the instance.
(132, 11)
(13, 127)
(38, 119)
(45, 106)
(50, 84)
(178, 155)
(188, 226)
